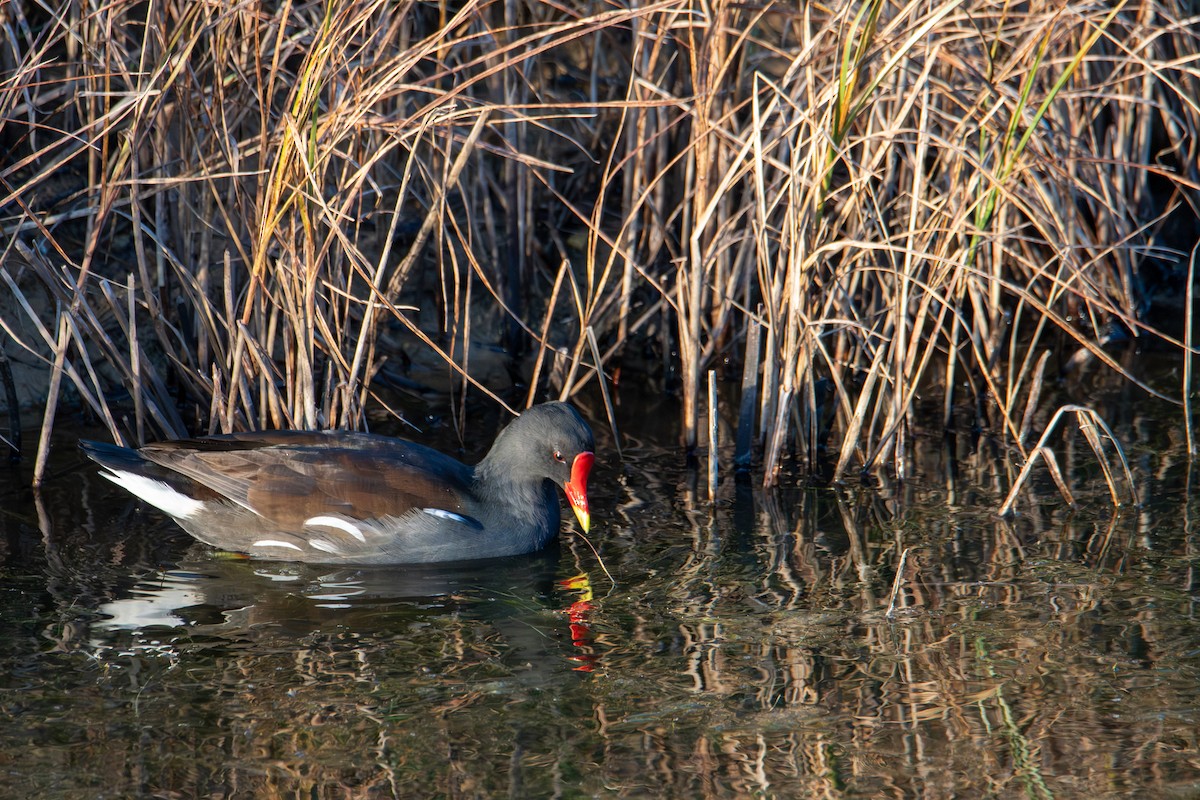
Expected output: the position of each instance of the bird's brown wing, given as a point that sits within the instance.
(297, 478)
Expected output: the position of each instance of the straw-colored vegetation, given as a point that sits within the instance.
(226, 207)
(875, 217)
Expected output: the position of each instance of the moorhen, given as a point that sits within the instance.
(337, 497)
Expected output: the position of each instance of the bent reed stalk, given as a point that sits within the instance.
(241, 214)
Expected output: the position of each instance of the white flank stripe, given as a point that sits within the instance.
(450, 515)
(334, 522)
(274, 543)
(326, 546)
(156, 493)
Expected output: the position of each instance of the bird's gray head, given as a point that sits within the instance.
(549, 442)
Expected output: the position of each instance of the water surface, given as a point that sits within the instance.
(739, 650)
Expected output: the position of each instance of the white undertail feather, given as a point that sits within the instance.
(156, 493)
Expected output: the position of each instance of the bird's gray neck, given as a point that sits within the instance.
(528, 503)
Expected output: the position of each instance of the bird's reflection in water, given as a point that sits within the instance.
(537, 617)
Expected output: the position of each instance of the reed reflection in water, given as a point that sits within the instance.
(745, 649)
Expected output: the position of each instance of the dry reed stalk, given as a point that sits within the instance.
(544, 338)
(744, 453)
(897, 582)
(1087, 422)
(1189, 352)
(713, 425)
(603, 381)
(919, 197)
(12, 408)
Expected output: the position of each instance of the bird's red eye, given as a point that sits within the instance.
(558, 456)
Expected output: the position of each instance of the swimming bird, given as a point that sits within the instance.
(340, 497)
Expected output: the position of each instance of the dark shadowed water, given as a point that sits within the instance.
(743, 650)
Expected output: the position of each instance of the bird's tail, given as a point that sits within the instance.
(113, 456)
(157, 485)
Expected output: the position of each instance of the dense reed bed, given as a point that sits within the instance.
(245, 214)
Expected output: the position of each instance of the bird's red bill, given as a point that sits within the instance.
(576, 488)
